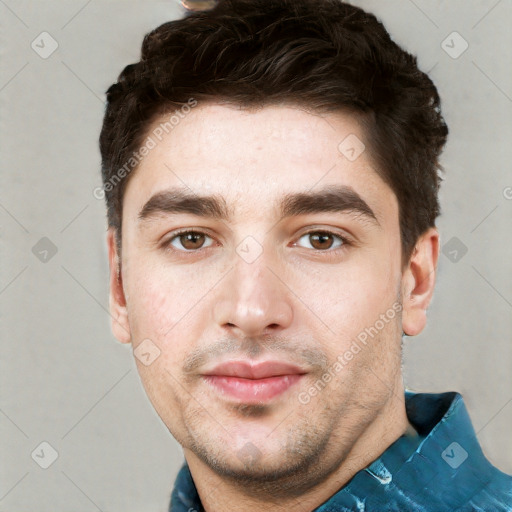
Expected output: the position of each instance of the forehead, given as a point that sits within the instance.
(253, 157)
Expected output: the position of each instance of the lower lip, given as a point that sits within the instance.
(253, 390)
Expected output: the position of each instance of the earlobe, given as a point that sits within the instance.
(117, 302)
(418, 281)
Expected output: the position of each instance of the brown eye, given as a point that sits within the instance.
(190, 240)
(322, 240)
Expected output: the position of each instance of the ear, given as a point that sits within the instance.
(418, 280)
(118, 311)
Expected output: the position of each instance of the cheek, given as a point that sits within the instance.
(165, 307)
(169, 314)
(344, 300)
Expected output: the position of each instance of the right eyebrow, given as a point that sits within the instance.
(181, 201)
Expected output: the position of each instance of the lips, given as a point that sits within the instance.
(262, 370)
(248, 383)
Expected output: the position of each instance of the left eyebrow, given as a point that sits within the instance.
(337, 199)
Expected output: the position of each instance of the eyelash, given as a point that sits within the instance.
(344, 240)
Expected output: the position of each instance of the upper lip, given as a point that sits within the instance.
(246, 370)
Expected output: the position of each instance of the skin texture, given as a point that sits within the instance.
(297, 302)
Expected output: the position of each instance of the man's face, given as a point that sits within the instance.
(251, 313)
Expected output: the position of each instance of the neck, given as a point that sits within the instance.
(217, 493)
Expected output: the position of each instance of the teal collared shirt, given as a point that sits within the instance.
(442, 469)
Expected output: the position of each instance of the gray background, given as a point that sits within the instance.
(64, 378)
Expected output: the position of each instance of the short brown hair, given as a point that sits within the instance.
(325, 55)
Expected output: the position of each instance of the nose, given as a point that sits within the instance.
(254, 301)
